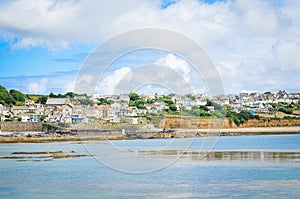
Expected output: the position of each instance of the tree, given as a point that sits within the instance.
(141, 106)
(17, 95)
(237, 121)
(70, 95)
(168, 101)
(245, 115)
(134, 96)
(86, 101)
(173, 107)
(42, 100)
(131, 103)
(19, 103)
(203, 108)
(214, 104)
(5, 97)
(102, 101)
(52, 95)
(192, 97)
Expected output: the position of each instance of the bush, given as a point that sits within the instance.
(286, 110)
(217, 114)
(42, 118)
(173, 107)
(237, 121)
(288, 118)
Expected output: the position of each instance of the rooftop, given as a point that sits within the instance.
(57, 101)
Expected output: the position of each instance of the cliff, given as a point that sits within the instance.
(169, 123)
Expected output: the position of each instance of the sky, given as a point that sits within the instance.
(254, 44)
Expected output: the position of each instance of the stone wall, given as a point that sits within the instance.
(21, 126)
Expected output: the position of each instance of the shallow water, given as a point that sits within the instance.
(238, 167)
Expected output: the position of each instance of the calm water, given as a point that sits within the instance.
(238, 167)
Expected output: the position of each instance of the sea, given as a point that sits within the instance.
(231, 167)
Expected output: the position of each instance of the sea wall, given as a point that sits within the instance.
(21, 126)
(170, 123)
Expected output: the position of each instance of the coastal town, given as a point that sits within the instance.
(138, 109)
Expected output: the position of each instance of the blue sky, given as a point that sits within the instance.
(255, 44)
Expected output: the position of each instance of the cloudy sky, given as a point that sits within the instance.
(255, 44)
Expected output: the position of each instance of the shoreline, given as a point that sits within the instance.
(40, 137)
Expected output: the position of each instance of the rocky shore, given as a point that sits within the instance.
(66, 134)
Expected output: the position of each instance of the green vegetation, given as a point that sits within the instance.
(134, 96)
(135, 100)
(42, 100)
(104, 101)
(241, 117)
(67, 95)
(192, 97)
(285, 110)
(214, 104)
(43, 117)
(5, 97)
(17, 95)
(85, 101)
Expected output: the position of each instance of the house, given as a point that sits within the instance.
(282, 94)
(57, 101)
(2, 117)
(243, 95)
(17, 110)
(294, 95)
(30, 117)
(25, 118)
(79, 118)
(29, 103)
(141, 111)
(124, 98)
(131, 111)
(108, 113)
(59, 105)
(210, 108)
(4, 113)
(135, 120)
(54, 118)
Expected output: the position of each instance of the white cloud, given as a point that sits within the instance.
(68, 87)
(177, 64)
(240, 36)
(287, 55)
(109, 83)
(86, 79)
(38, 87)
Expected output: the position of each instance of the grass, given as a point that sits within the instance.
(279, 115)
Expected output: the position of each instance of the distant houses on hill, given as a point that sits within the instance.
(131, 108)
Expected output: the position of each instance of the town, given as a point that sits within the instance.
(138, 109)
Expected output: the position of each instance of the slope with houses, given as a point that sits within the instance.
(121, 108)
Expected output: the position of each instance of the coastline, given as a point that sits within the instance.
(40, 137)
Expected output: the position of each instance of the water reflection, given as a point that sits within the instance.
(230, 155)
